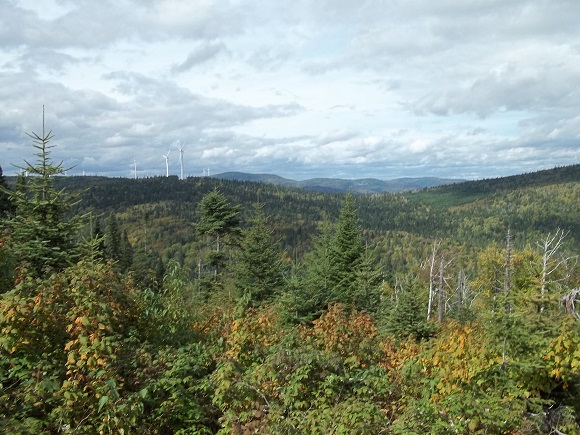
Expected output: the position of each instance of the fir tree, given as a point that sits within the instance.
(98, 236)
(259, 262)
(42, 236)
(113, 238)
(126, 252)
(313, 291)
(346, 253)
(367, 284)
(408, 315)
(218, 220)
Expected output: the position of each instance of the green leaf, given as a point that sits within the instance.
(102, 401)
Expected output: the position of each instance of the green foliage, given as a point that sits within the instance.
(147, 269)
(42, 237)
(59, 367)
(7, 268)
(178, 400)
(312, 293)
(217, 217)
(89, 348)
(346, 252)
(303, 381)
(259, 268)
(6, 206)
(219, 220)
(408, 315)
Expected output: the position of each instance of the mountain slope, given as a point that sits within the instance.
(338, 185)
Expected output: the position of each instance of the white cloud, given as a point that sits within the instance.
(405, 88)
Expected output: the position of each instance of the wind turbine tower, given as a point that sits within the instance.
(135, 166)
(166, 157)
(181, 158)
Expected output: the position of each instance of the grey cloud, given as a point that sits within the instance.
(202, 53)
(335, 136)
(93, 127)
(483, 64)
(514, 88)
(42, 58)
(91, 24)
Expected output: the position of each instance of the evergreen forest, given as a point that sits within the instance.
(213, 306)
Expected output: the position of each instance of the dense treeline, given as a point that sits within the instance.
(473, 213)
(205, 306)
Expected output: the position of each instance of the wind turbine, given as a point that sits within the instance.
(166, 157)
(135, 166)
(181, 158)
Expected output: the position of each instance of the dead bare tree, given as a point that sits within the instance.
(437, 282)
(570, 301)
(436, 246)
(465, 295)
(508, 262)
(552, 262)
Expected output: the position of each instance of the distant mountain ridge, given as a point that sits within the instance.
(339, 185)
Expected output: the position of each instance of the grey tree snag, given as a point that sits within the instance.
(552, 263)
(440, 289)
(432, 278)
(508, 260)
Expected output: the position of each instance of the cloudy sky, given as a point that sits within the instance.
(302, 88)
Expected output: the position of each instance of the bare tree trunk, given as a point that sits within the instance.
(432, 279)
(440, 305)
(508, 262)
(550, 246)
(460, 289)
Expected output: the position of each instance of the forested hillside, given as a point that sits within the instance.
(338, 185)
(166, 306)
(472, 214)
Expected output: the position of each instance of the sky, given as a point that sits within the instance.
(465, 89)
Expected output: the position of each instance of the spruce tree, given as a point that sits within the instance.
(113, 238)
(346, 253)
(41, 233)
(126, 252)
(314, 289)
(259, 267)
(219, 221)
(408, 316)
(367, 284)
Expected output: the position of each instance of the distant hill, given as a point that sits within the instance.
(469, 191)
(159, 211)
(338, 185)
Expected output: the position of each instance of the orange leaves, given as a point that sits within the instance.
(395, 356)
(455, 357)
(250, 335)
(349, 334)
